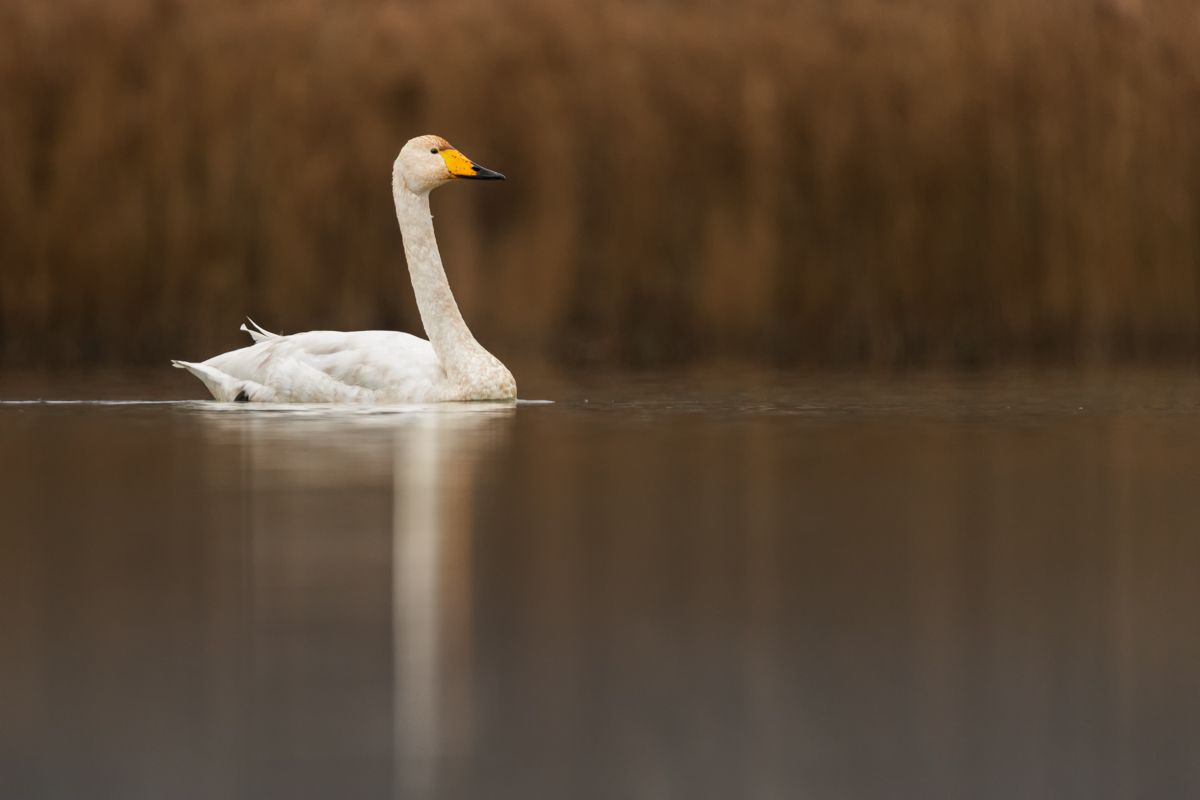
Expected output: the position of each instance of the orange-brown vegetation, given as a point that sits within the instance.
(924, 181)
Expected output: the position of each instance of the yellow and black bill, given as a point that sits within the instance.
(462, 167)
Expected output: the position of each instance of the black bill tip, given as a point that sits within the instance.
(484, 174)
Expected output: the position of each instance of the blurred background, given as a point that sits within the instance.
(776, 535)
(943, 182)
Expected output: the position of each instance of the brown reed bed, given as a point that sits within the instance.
(934, 181)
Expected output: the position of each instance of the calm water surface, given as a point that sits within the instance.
(721, 585)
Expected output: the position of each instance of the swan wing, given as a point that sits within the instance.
(330, 367)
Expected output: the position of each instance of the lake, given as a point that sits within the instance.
(718, 584)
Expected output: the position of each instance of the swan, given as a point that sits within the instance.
(378, 366)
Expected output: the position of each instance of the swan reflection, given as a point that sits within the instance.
(376, 548)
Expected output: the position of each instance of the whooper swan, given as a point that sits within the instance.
(378, 366)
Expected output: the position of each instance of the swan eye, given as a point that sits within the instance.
(434, 151)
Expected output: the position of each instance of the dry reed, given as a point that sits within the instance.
(933, 181)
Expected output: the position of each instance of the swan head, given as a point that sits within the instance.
(427, 162)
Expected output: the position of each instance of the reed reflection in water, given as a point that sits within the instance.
(970, 587)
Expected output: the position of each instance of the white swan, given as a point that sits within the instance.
(378, 366)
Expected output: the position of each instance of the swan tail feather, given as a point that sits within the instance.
(226, 387)
(257, 332)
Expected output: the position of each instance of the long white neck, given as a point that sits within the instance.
(448, 333)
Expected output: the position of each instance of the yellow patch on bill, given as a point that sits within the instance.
(457, 163)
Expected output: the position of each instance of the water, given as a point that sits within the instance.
(722, 585)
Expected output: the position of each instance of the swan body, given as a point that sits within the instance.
(378, 366)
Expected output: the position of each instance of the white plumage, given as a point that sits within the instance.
(326, 367)
(377, 366)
